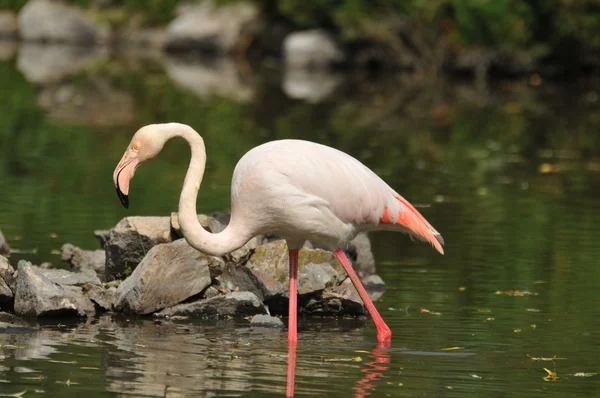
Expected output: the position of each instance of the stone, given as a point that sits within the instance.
(375, 286)
(8, 49)
(6, 296)
(68, 278)
(316, 277)
(57, 22)
(84, 259)
(360, 253)
(103, 298)
(312, 49)
(264, 320)
(207, 78)
(37, 295)
(6, 270)
(235, 304)
(213, 29)
(103, 235)
(129, 242)
(168, 275)
(342, 299)
(211, 291)
(4, 249)
(53, 63)
(8, 25)
(11, 324)
(239, 279)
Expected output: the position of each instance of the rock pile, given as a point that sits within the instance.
(145, 267)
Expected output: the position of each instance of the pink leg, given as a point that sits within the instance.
(291, 369)
(293, 309)
(383, 331)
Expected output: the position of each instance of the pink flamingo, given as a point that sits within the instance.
(295, 189)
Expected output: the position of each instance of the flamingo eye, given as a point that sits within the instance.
(136, 147)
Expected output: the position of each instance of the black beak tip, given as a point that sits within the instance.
(123, 198)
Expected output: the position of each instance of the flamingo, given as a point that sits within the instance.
(298, 190)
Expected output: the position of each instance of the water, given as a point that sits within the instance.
(509, 173)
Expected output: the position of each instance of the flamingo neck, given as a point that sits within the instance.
(232, 237)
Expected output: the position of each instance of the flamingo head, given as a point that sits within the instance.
(146, 143)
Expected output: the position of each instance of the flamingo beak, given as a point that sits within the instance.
(122, 176)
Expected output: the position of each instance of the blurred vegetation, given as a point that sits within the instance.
(498, 24)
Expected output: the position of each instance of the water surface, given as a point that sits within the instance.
(508, 173)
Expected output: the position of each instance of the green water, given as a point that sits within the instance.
(509, 173)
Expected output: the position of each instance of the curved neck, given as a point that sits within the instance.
(233, 236)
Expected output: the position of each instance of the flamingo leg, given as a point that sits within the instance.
(383, 331)
(291, 369)
(293, 308)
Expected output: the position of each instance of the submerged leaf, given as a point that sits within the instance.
(551, 375)
(544, 359)
(425, 310)
(582, 374)
(452, 348)
(517, 293)
(17, 394)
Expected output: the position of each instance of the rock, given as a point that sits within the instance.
(4, 249)
(6, 295)
(375, 286)
(211, 291)
(84, 259)
(211, 29)
(10, 324)
(129, 242)
(68, 278)
(266, 321)
(239, 279)
(312, 86)
(342, 299)
(236, 304)
(37, 295)
(47, 265)
(360, 253)
(153, 39)
(217, 77)
(208, 223)
(169, 274)
(312, 49)
(51, 63)
(6, 270)
(103, 298)
(8, 24)
(56, 22)
(315, 277)
(103, 236)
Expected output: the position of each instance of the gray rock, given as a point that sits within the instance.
(103, 298)
(36, 295)
(4, 249)
(270, 264)
(81, 260)
(211, 291)
(51, 63)
(316, 277)
(6, 296)
(129, 242)
(236, 304)
(8, 24)
(103, 236)
(213, 29)
(6, 270)
(8, 49)
(239, 279)
(360, 253)
(169, 274)
(52, 21)
(375, 286)
(266, 321)
(342, 299)
(68, 278)
(11, 324)
(311, 49)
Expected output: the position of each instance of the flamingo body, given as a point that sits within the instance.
(302, 190)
